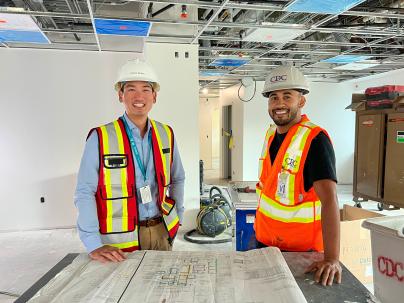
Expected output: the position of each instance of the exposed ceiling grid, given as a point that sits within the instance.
(90, 10)
(251, 30)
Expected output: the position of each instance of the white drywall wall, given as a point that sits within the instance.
(206, 107)
(50, 99)
(325, 107)
(395, 77)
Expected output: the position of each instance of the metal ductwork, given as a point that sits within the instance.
(126, 9)
(374, 29)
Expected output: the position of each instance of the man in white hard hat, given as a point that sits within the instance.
(130, 187)
(298, 207)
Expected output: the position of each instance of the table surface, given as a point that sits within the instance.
(350, 290)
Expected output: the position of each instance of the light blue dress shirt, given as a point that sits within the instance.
(87, 182)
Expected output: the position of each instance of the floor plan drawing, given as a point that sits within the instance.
(254, 276)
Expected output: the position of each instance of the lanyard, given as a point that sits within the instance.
(136, 151)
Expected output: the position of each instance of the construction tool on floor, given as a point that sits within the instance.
(246, 189)
(214, 217)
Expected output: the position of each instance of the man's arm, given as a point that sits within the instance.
(177, 182)
(84, 199)
(328, 269)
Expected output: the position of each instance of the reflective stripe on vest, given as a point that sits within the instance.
(265, 149)
(165, 142)
(115, 180)
(116, 196)
(281, 200)
(301, 213)
(122, 241)
(171, 219)
(291, 165)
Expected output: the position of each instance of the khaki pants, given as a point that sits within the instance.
(154, 238)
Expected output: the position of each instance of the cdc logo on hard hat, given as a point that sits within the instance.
(278, 78)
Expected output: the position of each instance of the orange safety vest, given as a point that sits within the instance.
(117, 207)
(287, 216)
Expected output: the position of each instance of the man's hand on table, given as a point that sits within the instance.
(107, 253)
(326, 271)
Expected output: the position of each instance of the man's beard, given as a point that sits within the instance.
(283, 121)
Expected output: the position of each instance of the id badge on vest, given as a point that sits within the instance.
(282, 181)
(145, 194)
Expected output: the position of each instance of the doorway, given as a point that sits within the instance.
(226, 142)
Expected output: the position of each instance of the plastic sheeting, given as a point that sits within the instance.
(356, 66)
(344, 59)
(23, 36)
(17, 22)
(322, 6)
(20, 28)
(260, 275)
(211, 73)
(235, 62)
(122, 27)
(273, 35)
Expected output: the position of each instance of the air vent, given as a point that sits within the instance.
(235, 62)
(273, 35)
(322, 6)
(343, 59)
(20, 28)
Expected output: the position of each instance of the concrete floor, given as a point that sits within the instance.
(26, 256)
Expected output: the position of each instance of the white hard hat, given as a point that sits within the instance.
(137, 70)
(285, 77)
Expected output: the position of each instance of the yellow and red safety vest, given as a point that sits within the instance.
(116, 193)
(287, 216)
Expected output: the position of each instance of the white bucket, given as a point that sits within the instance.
(387, 235)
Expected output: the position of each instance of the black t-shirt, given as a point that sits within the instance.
(320, 161)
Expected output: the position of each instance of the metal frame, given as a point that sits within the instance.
(372, 28)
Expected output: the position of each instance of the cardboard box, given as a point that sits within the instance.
(399, 102)
(356, 251)
(357, 102)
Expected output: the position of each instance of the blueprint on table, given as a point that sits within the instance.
(255, 276)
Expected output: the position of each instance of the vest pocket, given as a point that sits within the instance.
(122, 237)
(118, 225)
(113, 209)
(115, 191)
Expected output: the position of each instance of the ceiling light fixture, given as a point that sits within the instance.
(229, 61)
(122, 27)
(322, 6)
(273, 35)
(344, 59)
(21, 29)
(358, 65)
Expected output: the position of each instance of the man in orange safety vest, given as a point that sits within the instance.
(298, 206)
